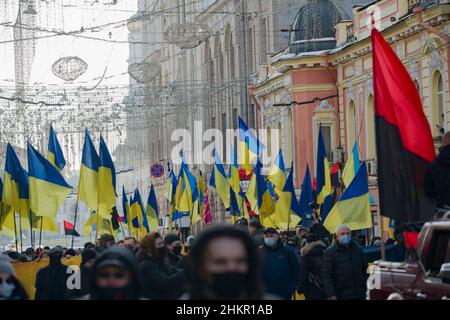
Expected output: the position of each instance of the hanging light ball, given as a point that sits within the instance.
(187, 35)
(144, 71)
(69, 68)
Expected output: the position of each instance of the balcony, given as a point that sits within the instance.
(421, 3)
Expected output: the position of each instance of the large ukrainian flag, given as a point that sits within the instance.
(277, 174)
(219, 180)
(249, 146)
(15, 188)
(88, 183)
(287, 213)
(139, 217)
(323, 179)
(353, 208)
(106, 182)
(351, 167)
(48, 189)
(152, 210)
(55, 154)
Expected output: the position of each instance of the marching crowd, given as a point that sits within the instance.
(244, 261)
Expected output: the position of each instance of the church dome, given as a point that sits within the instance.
(314, 26)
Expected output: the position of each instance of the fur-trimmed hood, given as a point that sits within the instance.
(309, 247)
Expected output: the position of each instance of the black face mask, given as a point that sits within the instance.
(115, 294)
(162, 252)
(176, 250)
(229, 285)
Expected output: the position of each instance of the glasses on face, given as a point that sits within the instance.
(108, 275)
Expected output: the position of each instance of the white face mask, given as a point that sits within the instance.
(6, 289)
(270, 242)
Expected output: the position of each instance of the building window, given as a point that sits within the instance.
(370, 129)
(438, 103)
(263, 38)
(249, 40)
(326, 133)
(289, 137)
(351, 124)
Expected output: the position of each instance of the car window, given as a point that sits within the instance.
(439, 252)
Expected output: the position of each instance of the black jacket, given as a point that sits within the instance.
(311, 284)
(344, 272)
(437, 179)
(160, 281)
(51, 282)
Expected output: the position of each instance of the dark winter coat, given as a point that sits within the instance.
(311, 284)
(51, 282)
(160, 280)
(281, 268)
(437, 179)
(258, 237)
(344, 272)
(175, 261)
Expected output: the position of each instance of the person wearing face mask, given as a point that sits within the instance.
(281, 266)
(87, 262)
(344, 268)
(174, 248)
(10, 287)
(160, 280)
(115, 276)
(51, 281)
(223, 264)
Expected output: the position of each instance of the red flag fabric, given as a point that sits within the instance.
(410, 239)
(404, 141)
(69, 229)
(68, 225)
(207, 218)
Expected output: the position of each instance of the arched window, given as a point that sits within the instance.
(269, 142)
(438, 103)
(289, 138)
(280, 146)
(351, 124)
(370, 129)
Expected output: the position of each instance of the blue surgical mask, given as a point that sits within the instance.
(270, 242)
(344, 240)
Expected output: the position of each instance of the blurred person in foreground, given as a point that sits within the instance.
(224, 264)
(114, 276)
(10, 287)
(160, 280)
(174, 248)
(281, 265)
(51, 281)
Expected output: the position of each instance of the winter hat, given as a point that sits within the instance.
(87, 255)
(171, 238)
(5, 265)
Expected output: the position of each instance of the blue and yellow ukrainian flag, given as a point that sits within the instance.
(277, 174)
(48, 189)
(171, 188)
(235, 183)
(287, 213)
(249, 146)
(186, 193)
(88, 183)
(126, 211)
(353, 208)
(106, 182)
(306, 195)
(15, 188)
(55, 154)
(219, 180)
(152, 210)
(138, 212)
(351, 167)
(323, 179)
(7, 225)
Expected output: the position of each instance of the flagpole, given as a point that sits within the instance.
(40, 232)
(15, 232)
(20, 232)
(381, 225)
(74, 223)
(31, 227)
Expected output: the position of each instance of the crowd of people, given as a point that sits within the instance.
(243, 261)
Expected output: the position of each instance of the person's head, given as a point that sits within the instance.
(115, 276)
(29, 253)
(44, 254)
(13, 256)
(312, 237)
(153, 245)
(390, 241)
(224, 264)
(88, 258)
(271, 237)
(254, 226)
(70, 253)
(343, 234)
(302, 232)
(10, 288)
(106, 240)
(446, 140)
(121, 243)
(89, 245)
(130, 243)
(362, 240)
(189, 243)
(55, 254)
(173, 244)
(47, 248)
(292, 242)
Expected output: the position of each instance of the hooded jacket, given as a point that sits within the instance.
(437, 179)
(160, 280)
(51, 281)
(310, 283)
(344, 272)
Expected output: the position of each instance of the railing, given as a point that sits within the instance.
(351, 33)
(423, 3)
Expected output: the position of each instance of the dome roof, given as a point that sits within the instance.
(314, 26)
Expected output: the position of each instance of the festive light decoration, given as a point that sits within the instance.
(69, 68)
(145, 71)
(187, 35)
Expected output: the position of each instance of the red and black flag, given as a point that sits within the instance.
(115, 219)
(69, 229)
(334, 174)
(404, 141)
